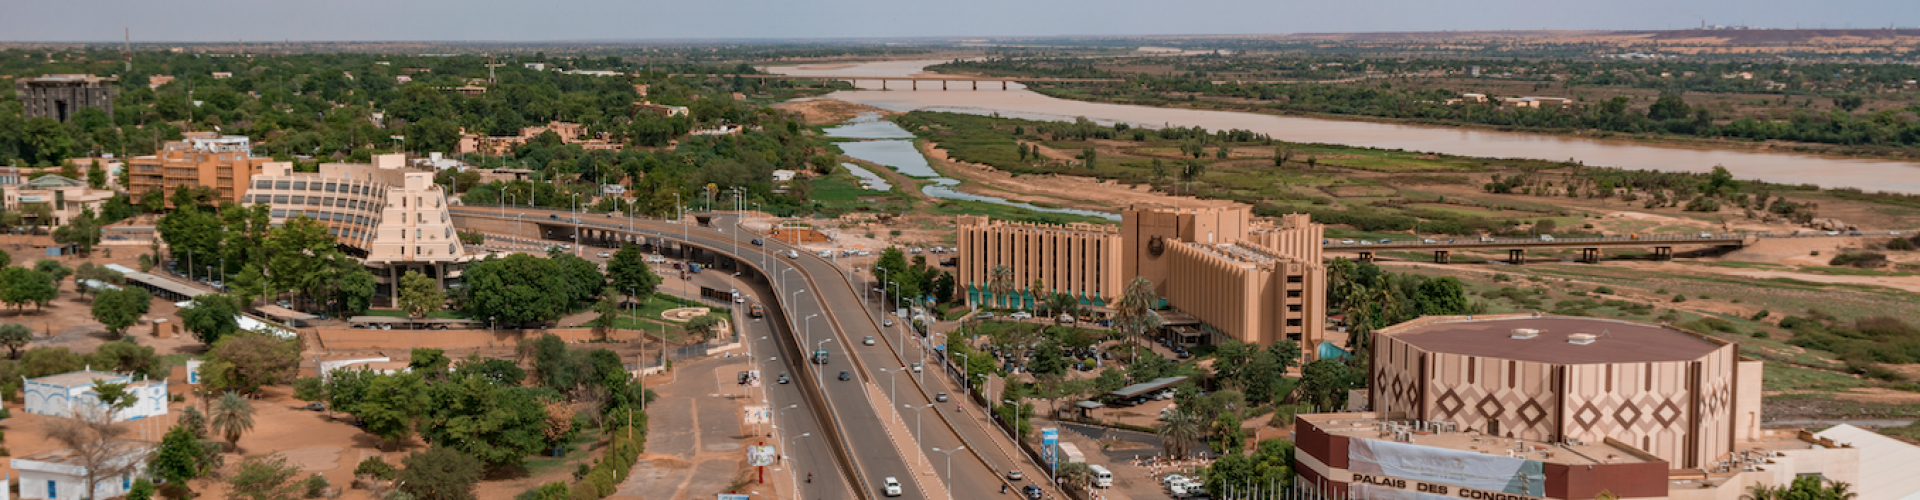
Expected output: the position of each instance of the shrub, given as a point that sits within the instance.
(1662, 291)
(1899, 244)
(1760, 334)
(1883, 373)
(1709, 324)
(142, 490)
(1863, 260)
(1761, 315)
(1605, 290)
(1680, 298)
(316, 485)
(376, 467)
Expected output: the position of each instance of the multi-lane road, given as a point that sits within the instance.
(828, 313)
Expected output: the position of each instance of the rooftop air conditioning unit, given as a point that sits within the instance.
(1524, 333)
(1582, 338)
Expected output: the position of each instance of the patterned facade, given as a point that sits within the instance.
(1682, 410)
(394, 217)
(1248, 292)
(1075, 259)
(61, 96)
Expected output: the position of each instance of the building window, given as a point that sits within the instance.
(279, 214)
(262, 184)
(416, 234)
(282, 184)
(1293, 322)
(449, 249)
(1293, 307)
(314, 186)
(299, 185)
(280, 199)
(299, 200)
(1295, 279)
(331, 186)
(1293, 294)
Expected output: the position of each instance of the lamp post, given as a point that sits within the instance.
(783, 278)
(505, 199)
(949, 454)
(918, 413)
(808, 321)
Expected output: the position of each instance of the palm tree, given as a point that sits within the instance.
(1000, 282)
(1840, 490)
(1761, 492)
(1133, 313)
(1179, 433)
(232, 417)
(1061, 303)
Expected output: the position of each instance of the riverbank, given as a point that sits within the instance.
(1202, 103)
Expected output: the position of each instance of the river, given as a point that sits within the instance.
(1869, 175)
(888, 144)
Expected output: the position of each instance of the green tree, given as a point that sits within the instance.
(496, 424)
(517, 289)
(232, 417)
(103, 274)
(1718, 182)
(631, 274)
(47, 141)
(96, 176)
(1324, 383)
(440, 473)
(247, 285)
(705, 326)
(119, 309)
(345, 389)
(20, 286)
(420, 295)
(554, 365)
(211, 317)
(266, 478)
(392, 405)
(1228, 434)
(1669, 107)
(1000, 283)
(124, 356)
(356, 287)
(82, 230)
(247, 360)
(1179, 432)
(44, 361)
(1443, 296)
(432, 364)
(15, 336)
(53, 270)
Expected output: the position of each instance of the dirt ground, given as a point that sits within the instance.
(1070, 191)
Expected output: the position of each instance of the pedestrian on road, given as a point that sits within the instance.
(1003, 488)
(809, 478)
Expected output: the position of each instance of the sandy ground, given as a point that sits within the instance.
(1070, 191)
(828, 111)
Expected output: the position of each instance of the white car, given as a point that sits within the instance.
(1833, 233)
(793, 255)
(892, 486)
(1020, 315)
(868, 340)
(1346, 242)
(603, 255)
(1429, 241)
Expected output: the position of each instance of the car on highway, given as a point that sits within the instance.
(886, 322)
(783, 379)
(846, 375)
(1020, 315)
(1385, 241)
(1366, 242)
(1706, 235)
(1346, 242)
(1015, 475)
(941, 397)
(1032, 492)
(868, 340)
(820, 357)
(892, 486)
(603, 255)
(1833, 233)
(793, 255)
(1428, 241)
(757, 242)
(757, 311)
(916, 367)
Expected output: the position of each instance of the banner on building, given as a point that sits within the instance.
(1449, 467)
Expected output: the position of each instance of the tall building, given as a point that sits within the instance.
(202, 159)
(64, 198)
(60, 96)
(1075, 259)
(1240, 279)
(392, 217)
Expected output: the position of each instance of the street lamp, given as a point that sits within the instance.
(918, 413)
(808, 321)
(949, 454)
(505, 199)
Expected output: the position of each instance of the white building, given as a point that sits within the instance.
(63, 394)
(58, 475)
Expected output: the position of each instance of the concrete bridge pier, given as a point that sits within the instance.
(943, 85)
(1442, 256)
(1662, 253)
(1517, 256)
(1590, 255)
(976, 85)
(915, 84)
(883, 84)
(1003, 85)
(1366, 256)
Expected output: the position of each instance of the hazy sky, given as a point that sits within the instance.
(523, 20)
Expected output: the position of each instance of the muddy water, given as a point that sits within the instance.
(1870, 175)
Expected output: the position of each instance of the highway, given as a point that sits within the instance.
(817, 295)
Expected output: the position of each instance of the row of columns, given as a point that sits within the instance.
(1518, 256)
(915, 83)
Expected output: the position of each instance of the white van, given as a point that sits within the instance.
(825, 254)
(1101, 476)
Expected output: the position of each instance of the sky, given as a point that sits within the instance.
(565, 20)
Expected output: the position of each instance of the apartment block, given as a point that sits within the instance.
(1249, 292)
(392, 217)
(202, 159)
(1075, 259)
(60, 96)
